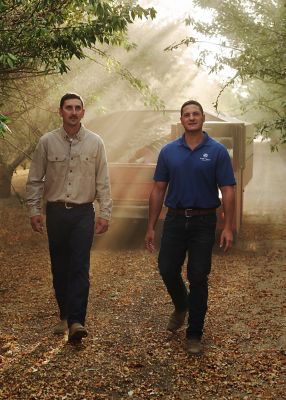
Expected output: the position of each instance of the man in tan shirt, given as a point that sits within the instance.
(69, 172)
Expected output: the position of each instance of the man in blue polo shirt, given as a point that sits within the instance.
(192, 168)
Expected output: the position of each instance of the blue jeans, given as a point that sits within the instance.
(70, 234)
(195, 237)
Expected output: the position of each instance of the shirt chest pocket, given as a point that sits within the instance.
(57, 165)
(87, 165)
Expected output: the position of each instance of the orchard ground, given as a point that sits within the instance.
(128, 353)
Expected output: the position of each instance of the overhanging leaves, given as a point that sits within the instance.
(247, 38)
(41, 36)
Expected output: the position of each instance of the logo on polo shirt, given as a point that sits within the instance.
(205, 157)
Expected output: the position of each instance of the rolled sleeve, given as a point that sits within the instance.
(102, 184)
(35, 181)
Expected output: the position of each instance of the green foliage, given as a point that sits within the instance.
(248, 38)
(3, 125)
(39, 37)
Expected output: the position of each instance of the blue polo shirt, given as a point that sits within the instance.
(194, 175)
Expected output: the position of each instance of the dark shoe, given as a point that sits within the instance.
(176, 321)
(61, 327)
(194, 346)
(77, 332)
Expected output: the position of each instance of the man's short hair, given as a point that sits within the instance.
(69, 96)
(194, 102)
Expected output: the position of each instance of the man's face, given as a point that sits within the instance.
(192, 118)
(72, 112)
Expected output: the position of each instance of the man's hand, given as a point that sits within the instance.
(37, 223)
(101, 225)
(226, 239)
(150, 240)
(156, 200)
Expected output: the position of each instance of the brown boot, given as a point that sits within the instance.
(61, 327)
(194, 346)
(176, 321)
(77, 332)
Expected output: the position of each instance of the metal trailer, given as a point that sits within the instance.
(131, 183)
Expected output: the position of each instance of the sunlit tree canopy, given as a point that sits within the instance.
(40, 37)
(247, 42)
(40, 40)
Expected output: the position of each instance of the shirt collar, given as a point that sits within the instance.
(182, 140)
(79, 136)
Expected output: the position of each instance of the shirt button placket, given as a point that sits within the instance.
(71, 166)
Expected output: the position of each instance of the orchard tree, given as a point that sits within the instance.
(40, 38)
(247, 41)
(31, 110)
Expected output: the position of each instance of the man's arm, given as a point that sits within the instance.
(103, 192)
(228, 202)
(156, 200)
(35, 187)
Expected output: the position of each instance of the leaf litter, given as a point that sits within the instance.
(128, 353)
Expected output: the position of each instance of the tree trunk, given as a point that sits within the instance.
(5, 181)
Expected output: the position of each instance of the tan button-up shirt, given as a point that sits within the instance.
(69, 170)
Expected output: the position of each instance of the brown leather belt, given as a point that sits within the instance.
(189, 212)
(67, 205)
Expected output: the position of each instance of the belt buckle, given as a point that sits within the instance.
(67, 207)
(187, 211)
